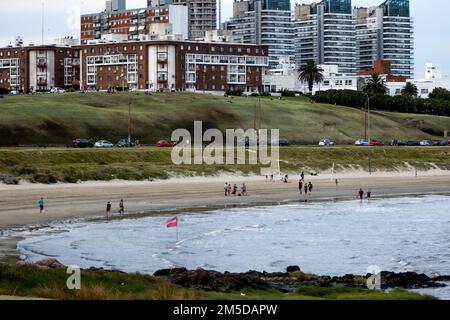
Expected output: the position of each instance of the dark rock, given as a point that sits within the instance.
(168, 272)
(293, 269)
(407, 280)
(49, 263)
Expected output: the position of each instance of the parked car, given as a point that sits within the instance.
(247, 142)
(165, 144)
(442, 143)
(397, 142)
(124, 143)
(83, 143)
(280, 142)
(57, 90)
(14, 92)
(362, 143)
(103, 144)
(426, 143)
(376, 143)
(412, 143)
(326, 143)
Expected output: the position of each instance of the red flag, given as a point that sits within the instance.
(172, 223)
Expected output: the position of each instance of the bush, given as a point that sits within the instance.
(71, 90)
(405, 104)
(237, 93)
(440, 93)
(265, 94)
(4, 91)
(254, 94)
(287, 93)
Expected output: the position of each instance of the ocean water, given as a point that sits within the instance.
(400, 234)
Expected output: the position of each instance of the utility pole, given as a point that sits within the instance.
(129, 121)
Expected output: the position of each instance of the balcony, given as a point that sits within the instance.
(41, 63)
(41, 83)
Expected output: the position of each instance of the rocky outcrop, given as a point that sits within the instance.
(286, 282)
(49, 263)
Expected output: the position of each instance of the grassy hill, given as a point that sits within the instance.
(58, 119)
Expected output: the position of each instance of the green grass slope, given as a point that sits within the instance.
(48, 119)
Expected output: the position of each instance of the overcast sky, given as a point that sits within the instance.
(23, 17)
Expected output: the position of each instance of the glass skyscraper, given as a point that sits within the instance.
(326, 34)
(265, 22)
(386, 32)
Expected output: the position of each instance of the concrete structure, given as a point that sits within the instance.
(265, 22)
(131, 24)
(173, 65)
(386, 32)
(38, 68)
(286, 78)
(326, 34)
(202, 14)
(432, 71)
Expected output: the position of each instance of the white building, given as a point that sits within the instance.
(286, 78)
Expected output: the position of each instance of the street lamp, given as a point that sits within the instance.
(367, 116)
(125, 66)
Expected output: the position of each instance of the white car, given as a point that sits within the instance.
(14, 92)
(57, 90)
(426, 143)
(103, 144)
(326, 143)
(362, 143)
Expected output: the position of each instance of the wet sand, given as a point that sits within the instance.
(18, 204)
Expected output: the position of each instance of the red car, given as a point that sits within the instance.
(376, 143)
(165, 144)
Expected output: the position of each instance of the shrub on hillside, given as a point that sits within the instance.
(440, 93)
(406, 104)
(287, 93)
(4, 91)
(236, 93)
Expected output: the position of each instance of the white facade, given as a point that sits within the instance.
(432, 71)
(286, 78)
(42, 70)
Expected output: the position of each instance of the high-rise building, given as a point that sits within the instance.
(202, 14)
(326, 34)
(386, 32)
(132, 24)
(265, 22)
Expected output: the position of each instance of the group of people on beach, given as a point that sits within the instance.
(305, 187)
(109, 207)
(361, 194)
(233, 190)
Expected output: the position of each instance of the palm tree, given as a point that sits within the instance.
(310, 73)
(410, 89)
(375, 84)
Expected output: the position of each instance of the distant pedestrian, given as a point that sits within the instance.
(229, 189)
(225, 188)
(108, 210)
(244, 190)
(235, 188)
(302, 176)
(361, 194)
(41, 204)
(271, 177)
(306, 189)
(336, 182)
(369, 195)
(267, 178)
(121, 207)
(310, 187)
(300, 186)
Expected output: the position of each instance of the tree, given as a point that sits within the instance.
(375, 84)
(310, 73)
(440, 93)
(410, 89)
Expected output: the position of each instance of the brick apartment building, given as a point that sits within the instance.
(173, 65)
(115, 23)
(39, 68)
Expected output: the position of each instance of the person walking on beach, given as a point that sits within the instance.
(310, 187)
(300, 186)
(369, 195)
(108, 210)
(302, 176)
(41, 204)
(121, 207)
(306, 189)
(226, 188)
(271, 177)
(336, 182)
(361, 194)
(244, 190)
(235, 188)
(229, 189)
